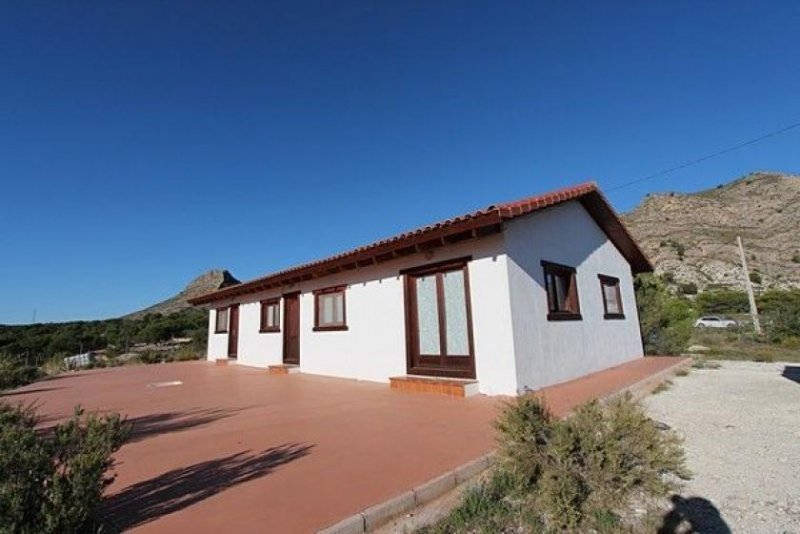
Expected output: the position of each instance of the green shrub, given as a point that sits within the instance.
(678, 247)
(680, 250)
(665, 320)
(689, 288)
(186, 353)
(755, 277)
(796, 258)
(722, 301)
(14, 373)
(781, 313)
(583, 472)
(151, 356)
(53, 482)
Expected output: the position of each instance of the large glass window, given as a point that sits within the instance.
(428, 315)
(455, 305)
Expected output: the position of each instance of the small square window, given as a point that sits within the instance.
(221, 323)
(329, 309)
(562, 292)
(270, 315)
(612, 298)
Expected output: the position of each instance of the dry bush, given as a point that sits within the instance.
(583, 473)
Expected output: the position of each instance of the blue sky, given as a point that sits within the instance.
(142, 143)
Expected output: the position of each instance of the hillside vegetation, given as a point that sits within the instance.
(27, 352)
(39, 342)
(691, 238)
(667, 322)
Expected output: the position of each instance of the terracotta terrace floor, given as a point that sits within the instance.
(235, 449)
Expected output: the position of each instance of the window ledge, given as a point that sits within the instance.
(564, 316)
(220, 331)
(330, 328)
(269, 330)
(614, 316)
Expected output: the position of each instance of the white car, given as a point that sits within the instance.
(712, 321)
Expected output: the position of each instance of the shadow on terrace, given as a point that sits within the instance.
(163, 423)
(26, 392)
(180, 488)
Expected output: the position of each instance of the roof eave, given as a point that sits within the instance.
(380, 252)
(438, 234)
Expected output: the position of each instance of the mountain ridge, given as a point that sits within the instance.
(205, 283)
(692, 236)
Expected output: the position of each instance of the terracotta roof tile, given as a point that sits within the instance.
(587, 193)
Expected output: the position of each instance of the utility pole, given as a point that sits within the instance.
(749, 286)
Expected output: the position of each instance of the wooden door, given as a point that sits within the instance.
(233, 331)
(439, 321)
(291, 328)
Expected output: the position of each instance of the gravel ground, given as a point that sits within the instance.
(741, 425)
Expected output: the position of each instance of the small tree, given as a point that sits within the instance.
(53, 482)
(14, 372)
(722, 301)
(665, 320)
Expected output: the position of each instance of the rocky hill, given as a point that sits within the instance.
(693, 236)
(205, 283)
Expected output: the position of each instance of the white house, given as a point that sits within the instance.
(512, 297)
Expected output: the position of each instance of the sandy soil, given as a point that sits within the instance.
(741, 425)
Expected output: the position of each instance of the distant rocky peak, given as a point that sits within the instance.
(205, 283)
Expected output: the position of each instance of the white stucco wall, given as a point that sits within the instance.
(374, 346)
(217, 343)
(516, 347)
(549, 352)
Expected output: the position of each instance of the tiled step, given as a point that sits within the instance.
(224, 361)
(438, 386)
(283, 369)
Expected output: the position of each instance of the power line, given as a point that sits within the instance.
(705, 158)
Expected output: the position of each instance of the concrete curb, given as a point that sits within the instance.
(380, 514)
(644, 387)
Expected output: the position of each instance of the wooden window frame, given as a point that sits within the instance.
(606, 280)
(330, 327)
(217, 329)
(265, 306)
(573, 313)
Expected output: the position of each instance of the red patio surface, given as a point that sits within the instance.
(234, 448)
